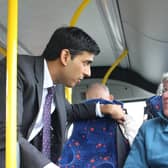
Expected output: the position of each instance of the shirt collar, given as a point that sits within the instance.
(47, 77)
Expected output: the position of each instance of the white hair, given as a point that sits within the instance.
(160, 87)
(164, 77)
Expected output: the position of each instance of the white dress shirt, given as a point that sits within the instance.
(38, 122)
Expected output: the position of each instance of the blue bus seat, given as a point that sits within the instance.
(97, 143)
(153, 106)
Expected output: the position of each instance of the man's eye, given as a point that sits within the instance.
(86, 63)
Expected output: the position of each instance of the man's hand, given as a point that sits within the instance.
(114, 110)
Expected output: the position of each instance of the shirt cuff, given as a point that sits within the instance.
(98, 111)
(51, 165)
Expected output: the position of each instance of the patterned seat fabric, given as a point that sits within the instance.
(93, 143)
(153, 106)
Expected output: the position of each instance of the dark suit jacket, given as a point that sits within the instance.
(29, 94)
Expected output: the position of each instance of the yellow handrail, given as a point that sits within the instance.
(11, 116)
(2, 51)
(78, 11)
(68, 91)
(117, 61)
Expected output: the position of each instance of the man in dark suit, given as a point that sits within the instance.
(65, 61)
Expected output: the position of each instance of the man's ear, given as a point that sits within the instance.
(65, 56)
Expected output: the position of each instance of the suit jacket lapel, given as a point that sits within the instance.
(39, 75)
(60, 105)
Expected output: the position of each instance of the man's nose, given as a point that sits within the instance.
(87, 72)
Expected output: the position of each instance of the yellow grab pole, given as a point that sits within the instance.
(68, 91)
(11, 115)
(118, 60)
(78, 11)
(2, 51)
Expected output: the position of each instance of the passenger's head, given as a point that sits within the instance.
(164, 81)
(73, 39)
(69, 55)
(98, 90)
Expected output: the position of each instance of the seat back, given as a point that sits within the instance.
(95, 143)
(123, 147)
(153, 106)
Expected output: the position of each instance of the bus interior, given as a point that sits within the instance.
(132, 35)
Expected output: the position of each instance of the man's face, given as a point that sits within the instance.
(77, 68)
(165, 98)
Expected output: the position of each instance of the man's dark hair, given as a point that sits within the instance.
(72, 38)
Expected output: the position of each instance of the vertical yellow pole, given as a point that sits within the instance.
(2, 51)
(82, 6)
(11, 106)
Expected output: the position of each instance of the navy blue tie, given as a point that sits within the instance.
(46, 144)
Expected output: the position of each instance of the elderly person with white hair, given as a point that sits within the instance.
(150, 147)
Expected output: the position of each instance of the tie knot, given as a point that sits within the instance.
(51, 90)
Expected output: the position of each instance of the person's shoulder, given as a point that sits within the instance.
(152, 123)
(29, 59)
